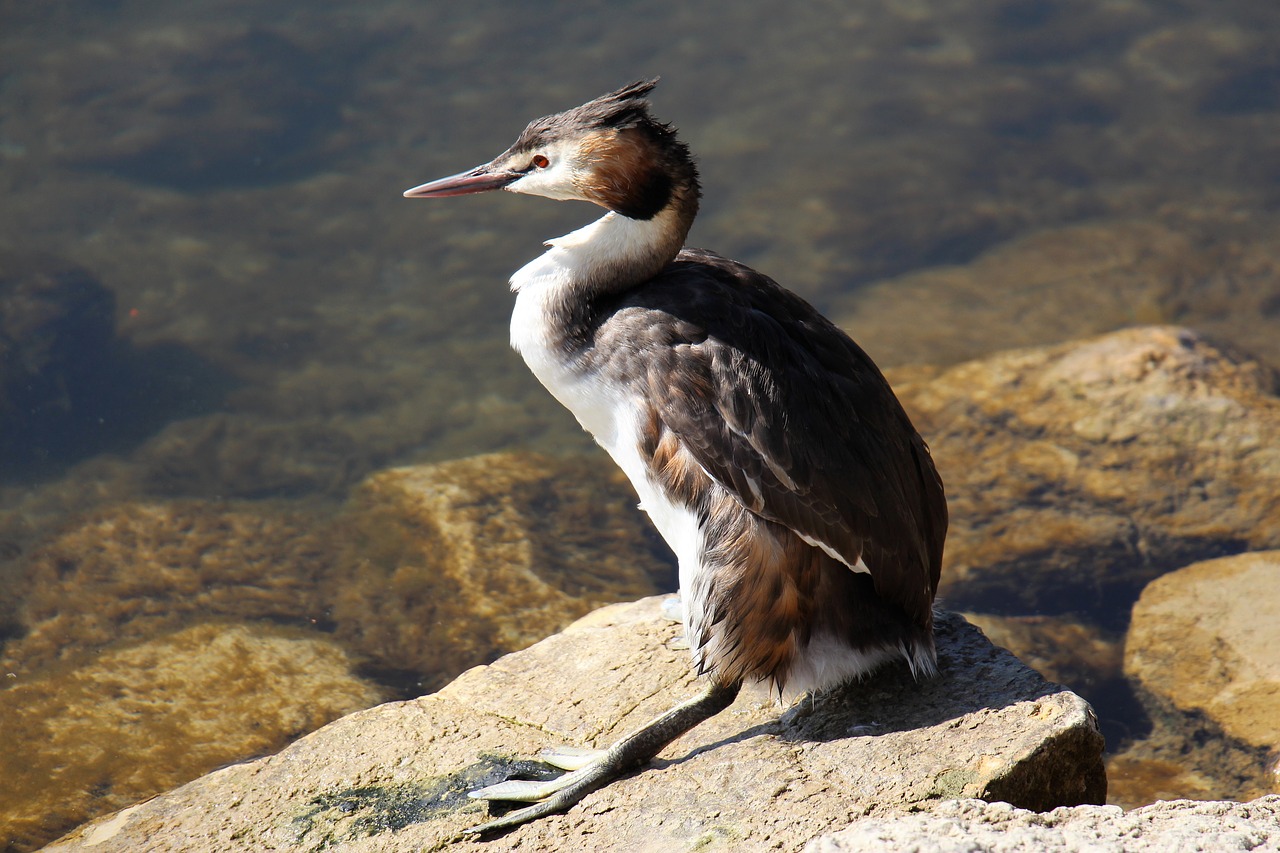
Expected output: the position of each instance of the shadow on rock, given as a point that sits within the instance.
(973, 676)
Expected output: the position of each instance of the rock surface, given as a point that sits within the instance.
(1207, 638)
(142, 719)
(430, 568)
(950, 128)
(1076, 474)
(1203, 652)
(395, 777)
(974, 826)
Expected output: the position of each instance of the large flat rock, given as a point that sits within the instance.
(394, 777)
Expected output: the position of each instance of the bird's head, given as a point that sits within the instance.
(608, 151)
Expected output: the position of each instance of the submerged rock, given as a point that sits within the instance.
(1078, 473)
(426, 571)
(395, 777)
(1186, 757)
(1062, 649)
(1215, 274)
(199, 107)
(139, 720)
(136, 571)
(69, 386)
(442, 567)
(1049, 286)
(1204, 653)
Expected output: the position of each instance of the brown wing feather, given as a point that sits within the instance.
(788, 414)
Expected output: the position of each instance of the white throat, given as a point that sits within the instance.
(612, 253)
(612, 245)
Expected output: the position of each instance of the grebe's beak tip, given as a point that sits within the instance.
(478, 180)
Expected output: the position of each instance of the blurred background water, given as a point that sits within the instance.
(212, 290)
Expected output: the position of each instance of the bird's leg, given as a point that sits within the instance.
(635, 749)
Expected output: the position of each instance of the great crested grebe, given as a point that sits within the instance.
(804, 508)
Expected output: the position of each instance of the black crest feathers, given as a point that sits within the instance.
(625, 108)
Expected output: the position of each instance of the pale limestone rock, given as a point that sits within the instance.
(974, 826)
(394, 778)
(141, 719)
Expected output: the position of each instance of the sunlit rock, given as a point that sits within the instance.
(1204, 650)
(972, 825)
(427, 571)
(1207, 638)
(752, 778)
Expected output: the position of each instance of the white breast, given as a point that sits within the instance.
(608, 412)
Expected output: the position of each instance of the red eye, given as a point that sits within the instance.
(540, 161)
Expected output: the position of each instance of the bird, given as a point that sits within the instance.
(805, 511)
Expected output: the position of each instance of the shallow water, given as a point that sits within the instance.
(230, 174)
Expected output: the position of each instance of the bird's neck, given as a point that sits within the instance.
(614, 252)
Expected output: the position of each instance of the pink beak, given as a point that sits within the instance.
(478, 180)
